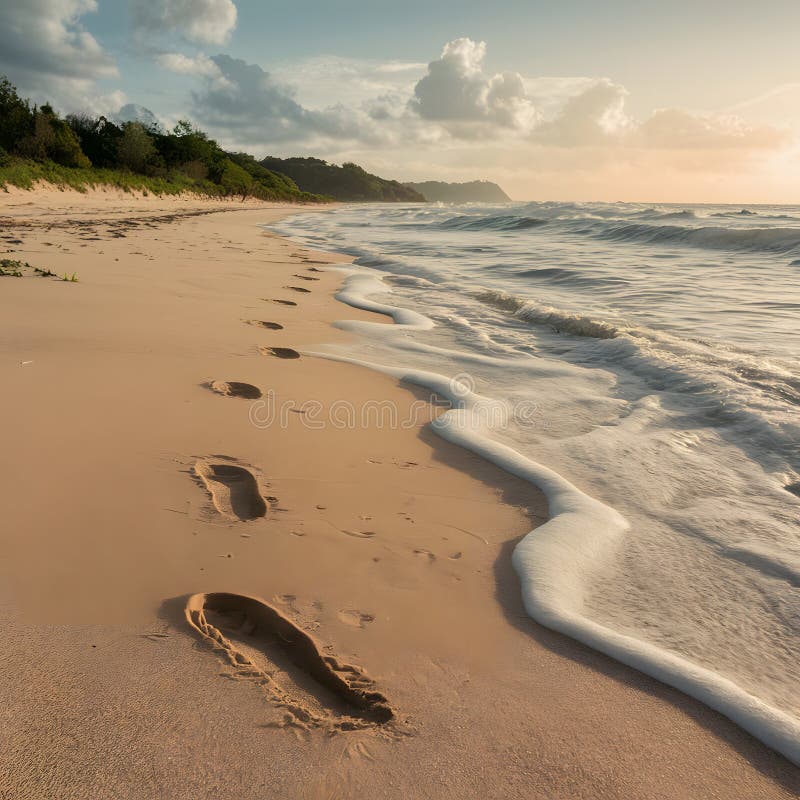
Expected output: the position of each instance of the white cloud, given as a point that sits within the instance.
(593, 116)
(47, 53)
(199, 65)
(456, 91)
(205, 21)
(674, 128)
(455, 119)
(353, 82)
(244, 104)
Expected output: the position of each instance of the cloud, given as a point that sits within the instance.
(352, 81)
(674, 128)
(246, 104)
(594, 116)
(458, 95)
(204, 21)
(457, 90)
(200, 65)
(455, 114)
(46, 51)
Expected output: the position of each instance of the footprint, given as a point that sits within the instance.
(233, 489)
(305, 277)
(267, 648)
(355, 618)
(422, 552)
(359, 534)
(235, 389)
(298, 289)
(280, 302)
(270, 326)
(279, 352)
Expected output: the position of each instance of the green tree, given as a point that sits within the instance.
(135, 147)
(16, 117)
(52, 139)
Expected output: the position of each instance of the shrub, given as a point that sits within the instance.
(135, 147)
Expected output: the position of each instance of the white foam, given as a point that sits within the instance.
(555, 560)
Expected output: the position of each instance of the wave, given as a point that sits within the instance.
(774, 240)
(503, 222)
(763, 239)
(569, 277)
(558, 319)
(652, 213)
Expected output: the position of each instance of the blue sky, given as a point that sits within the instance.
(646, 100)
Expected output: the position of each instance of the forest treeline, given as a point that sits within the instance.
(80, 150)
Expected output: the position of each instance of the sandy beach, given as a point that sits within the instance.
(171, 451)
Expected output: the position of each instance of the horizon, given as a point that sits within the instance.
(592, 105)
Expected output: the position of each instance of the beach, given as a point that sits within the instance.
(134, 477)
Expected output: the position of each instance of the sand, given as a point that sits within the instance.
(201, 602)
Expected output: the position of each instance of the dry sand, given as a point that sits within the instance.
(132, 477)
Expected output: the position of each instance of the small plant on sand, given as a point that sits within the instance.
(44, 273)
(9, 267)
(70, 278)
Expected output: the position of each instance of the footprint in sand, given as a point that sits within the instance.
(355, 618)
(235, 389)
(298, 289)
(305, 277)
(423, 553)
(234, 489)
(279, 352)
(279, 302)
(359, 534)
(260, 323)
(267, 648)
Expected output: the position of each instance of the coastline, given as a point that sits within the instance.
(107, 523)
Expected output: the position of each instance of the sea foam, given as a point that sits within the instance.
(555, 560)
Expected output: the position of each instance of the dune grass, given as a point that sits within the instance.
(25, 173)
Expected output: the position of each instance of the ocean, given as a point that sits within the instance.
(641, 365)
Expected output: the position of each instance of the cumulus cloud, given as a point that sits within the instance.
(458, 95)
(244, 102)
(352, 81)
(48, 53)
(455, 105)
(200, 65)
(593, 116)
(204, 21)
(457, 90)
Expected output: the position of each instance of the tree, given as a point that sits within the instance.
(99, 138)
(135, 147)
(51, 138)
(16, 117)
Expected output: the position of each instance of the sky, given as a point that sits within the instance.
(572, 100)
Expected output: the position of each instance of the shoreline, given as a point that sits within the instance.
(114, 429)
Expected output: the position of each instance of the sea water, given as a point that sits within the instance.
(641, 365)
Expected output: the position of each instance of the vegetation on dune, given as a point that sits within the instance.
(348, 182)
(14, 268)
(83, 151)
